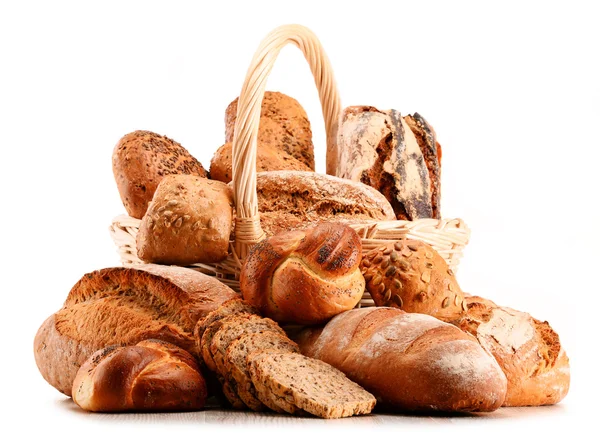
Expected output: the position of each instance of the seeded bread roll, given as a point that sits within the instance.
(188, 221)
(140, 161)
(283, 125)
(310, 385)
(411, 275)
(123, 306)
(268, 158)
(153, 375)
(410, 362)
(290, 200)
(304, 277)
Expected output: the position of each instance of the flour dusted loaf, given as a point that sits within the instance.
(410, 362)
(305, 276)
(380, 149)
(123, 306)
(153, 375)
(411, 275)
(289, 200)
(283, 125)
(140, 161)
(188, 221)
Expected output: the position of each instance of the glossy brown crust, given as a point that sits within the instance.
(283, 125)
(411, 275)
(140, 161)
(528, 350)
(150, 376)
(410, 362)
(189, 221)
(122, 306)
(304, 277)
(268, 158)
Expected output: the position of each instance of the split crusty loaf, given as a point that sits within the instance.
(410, 362)
(378, 148)
(153, 375)
(123, 306)
(289, 200)
(305, 277)
(268, 158)
(188, 221)
(411, 275)
(140, 161)
(311, 385)
(283, 125)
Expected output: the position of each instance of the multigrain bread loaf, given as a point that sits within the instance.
(140, 161)
(410, 362)
(123, 306)
(268, 158)
(411, 275)
(153, 375)
(289, 200)
(283, 125)
(188, 221)
(379, 149)
(304, 277)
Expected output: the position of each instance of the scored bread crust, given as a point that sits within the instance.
(123, 306)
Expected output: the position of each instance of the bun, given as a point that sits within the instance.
(140, 161)
(151, 376)
(188, 221)
(410, 362)
(304, 277)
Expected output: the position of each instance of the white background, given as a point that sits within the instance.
(511, 88)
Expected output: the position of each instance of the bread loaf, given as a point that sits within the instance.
(289, 200)
(379, 149)
(411, 275)
(283, 125)
(268, 158)
(140, 161)
(304, 277)
(410, 362)
(123, 306)
(153, 375)
(188, 221)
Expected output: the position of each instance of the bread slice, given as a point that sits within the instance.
(232, 328)
(236, 361)
(310, 384)
(207, 337)
(231, 395)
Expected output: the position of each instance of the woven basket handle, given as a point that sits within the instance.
(248, 231)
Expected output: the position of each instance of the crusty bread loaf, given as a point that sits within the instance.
(410, 362)
(309, 384)
(268, 158)
(304, 277)
(411, 275)
(123, 306)
(289, 200)
(378, 148)
(140, 161)
(153, 375)
(188, 221)
(283, 125)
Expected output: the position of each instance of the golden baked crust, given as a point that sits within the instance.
(140, 161)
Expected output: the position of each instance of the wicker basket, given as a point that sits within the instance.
(447, 236)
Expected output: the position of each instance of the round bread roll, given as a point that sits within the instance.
(153, 375)
(140, 161)
(188, 221)
(305, 277)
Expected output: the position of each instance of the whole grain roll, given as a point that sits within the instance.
(140, 161)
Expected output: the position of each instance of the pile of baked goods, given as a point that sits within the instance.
(160, 336)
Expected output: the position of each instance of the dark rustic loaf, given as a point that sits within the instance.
(410, 362)
(140, 161)
(123, 306)
(153, 375)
